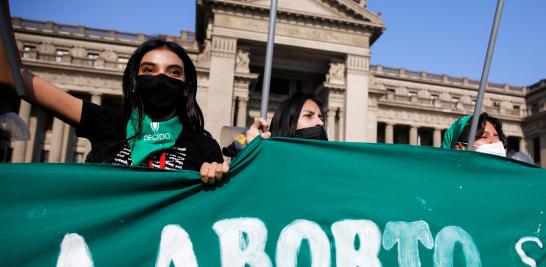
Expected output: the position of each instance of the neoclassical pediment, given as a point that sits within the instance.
(346, 12)
(304, 6)
(331, 9)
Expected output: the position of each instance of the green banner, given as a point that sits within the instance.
(287, 202)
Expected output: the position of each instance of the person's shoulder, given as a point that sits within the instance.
(202, 144)
(100, 123)
(201, 138)
(94, 108)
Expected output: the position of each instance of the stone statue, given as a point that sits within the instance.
(242, 61)
(336, 73)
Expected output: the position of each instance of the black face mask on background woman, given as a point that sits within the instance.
(160, 94)
(315, 132)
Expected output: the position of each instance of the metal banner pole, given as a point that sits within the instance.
(485, 75)
(268, 58)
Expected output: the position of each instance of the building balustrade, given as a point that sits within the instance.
(98, 63)
(445, 79)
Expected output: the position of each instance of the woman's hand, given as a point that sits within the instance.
(254, 130)
(212, 172)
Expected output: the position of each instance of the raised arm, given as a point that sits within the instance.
(49, 96)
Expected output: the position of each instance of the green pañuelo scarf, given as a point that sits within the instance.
(155, 136)
(454, 131)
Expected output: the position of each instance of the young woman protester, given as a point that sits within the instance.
(300, 116)
(160, 125)
(489, 138)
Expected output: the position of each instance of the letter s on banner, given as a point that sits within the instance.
(524, 258)
(235, 249)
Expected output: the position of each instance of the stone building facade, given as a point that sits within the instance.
(321, 46)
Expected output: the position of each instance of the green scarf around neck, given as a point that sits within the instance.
(154, 136)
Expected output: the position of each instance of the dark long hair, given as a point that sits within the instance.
(285, 119)
(484, 117)
(189, 113)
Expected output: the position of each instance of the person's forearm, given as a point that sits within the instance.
(47, 95)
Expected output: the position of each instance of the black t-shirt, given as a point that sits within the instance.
(106, 131)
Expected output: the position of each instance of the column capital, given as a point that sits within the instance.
(358, 65)
(224, 46)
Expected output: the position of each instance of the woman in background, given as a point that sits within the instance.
(300, 116)
(489, 138)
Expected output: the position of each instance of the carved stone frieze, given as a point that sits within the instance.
(75, 82)
(109, 55)
(298, 31)
(78, 52)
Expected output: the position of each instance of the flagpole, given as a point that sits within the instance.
(268, 59)
(485, 75)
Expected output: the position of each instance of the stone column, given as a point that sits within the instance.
(356, 100)
(341, 126)
(29, 148)
(67, 148)
(413, 135)
(372, 126)
(37, 127)
(96, 98)
(220, 97)
(55, 145)
(542, 162)
(523, 146)
(334, 110)
(331, 123)
(389, 133)
(19, 148)
(437, 138)
(241, 112)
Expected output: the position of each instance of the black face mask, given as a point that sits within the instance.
(160, 94)
(316, 132)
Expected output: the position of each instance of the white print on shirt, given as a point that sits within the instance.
(174, 158)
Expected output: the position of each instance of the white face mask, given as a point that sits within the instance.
(493, 149)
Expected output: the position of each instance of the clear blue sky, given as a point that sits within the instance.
(437, 36)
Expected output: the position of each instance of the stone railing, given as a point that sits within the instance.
(448, 102)
(91, 33)
(443, 79)
(99, 63)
